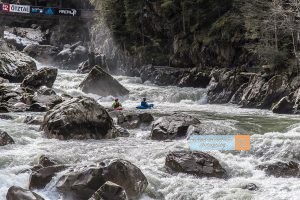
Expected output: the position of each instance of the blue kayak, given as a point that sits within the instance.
(145, 107)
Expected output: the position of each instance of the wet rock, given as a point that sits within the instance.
(281, 169)
(6, 117)
(224, 85)
(18, 193)
(5, 139)
(42, 53)
(34, 120)
(72, 55)
(194, 79)
(85, 182)
(46, 101)
(36, 107)
(3, 80)
(41, 177)
(250, 186)
(172, 127)
(162, 76)
(15, 66)
(87, 66)
(283, 106)
(101, 83)
(196, 163)
(46, 162)
(134, 120)
(42, 77)
(45, 91)
(109, 191)
(122, 132)
(78, 118)
(262, 94)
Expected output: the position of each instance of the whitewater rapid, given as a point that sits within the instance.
(273, 138)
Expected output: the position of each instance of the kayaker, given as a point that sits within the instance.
(117, 105)
(145, 105)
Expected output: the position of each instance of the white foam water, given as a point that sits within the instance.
(276, 144)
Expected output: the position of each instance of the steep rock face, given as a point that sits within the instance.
(83, 183)
(262, 94)
(101, 83)
(78, 118)
(195, 163)
(42, 77)
(15, 66)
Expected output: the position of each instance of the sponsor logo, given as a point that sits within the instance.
(37, 10)
(19, 8)
(219, 142)
(5, 7)
(49, 11)
(70, 12)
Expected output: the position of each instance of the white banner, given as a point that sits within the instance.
(19, 8)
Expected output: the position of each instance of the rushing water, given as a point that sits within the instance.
(274, 138)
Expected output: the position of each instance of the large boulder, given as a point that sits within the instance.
(83, 183)
(134, 120)
(42, 77)
(281, 169)
(18, 193)
(101, 83)
(109, 191)
(42, 53)
(15, 66)
(78, 118)
(172, 127)
(5, 139)
(196, 163)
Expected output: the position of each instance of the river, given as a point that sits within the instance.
(273, 138)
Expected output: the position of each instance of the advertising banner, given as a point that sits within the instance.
(19, 8)
(69, 12)
(36, 10)
(50, 11)
(5, 7)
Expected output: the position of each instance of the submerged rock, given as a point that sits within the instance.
(134, 120)
(46, 161)
(79, 118)
(18, 193)
(109, 191)
(281, 169)
(196, 163)
(83, 183)
(15, 66)
(5, 139)
(42, 77)
(250, 186)
(101, 83)
(172, 127)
